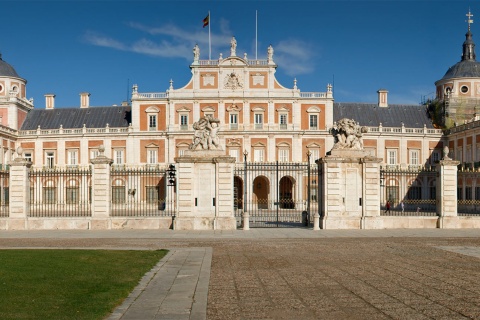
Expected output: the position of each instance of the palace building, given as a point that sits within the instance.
(262, 121)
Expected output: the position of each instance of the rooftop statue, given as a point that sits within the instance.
(206, 134)
(348, 134)
(196, 53)
(233, 47)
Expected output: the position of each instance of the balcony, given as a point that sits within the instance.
(233, 126)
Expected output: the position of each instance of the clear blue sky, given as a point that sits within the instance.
(103, 47)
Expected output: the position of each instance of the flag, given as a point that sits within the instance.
(206, 21)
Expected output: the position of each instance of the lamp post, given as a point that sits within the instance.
(171, 182)
(245, 216)
(309, 154)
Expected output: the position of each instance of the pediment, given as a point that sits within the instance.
(184, 109)
(314, 109)
(259, 145)
(283, 145)
(208, 109)
(283, 109)
(313, 146)
(151, 145)
(258, 109)
(152, 109)
(233, 61)
(233, 108)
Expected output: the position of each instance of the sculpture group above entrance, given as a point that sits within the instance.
(206, 134)
(348, 134)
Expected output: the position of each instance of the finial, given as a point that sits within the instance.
(469, 20)
(171, 84)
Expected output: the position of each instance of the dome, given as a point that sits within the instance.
(7, 70)
(463, 69)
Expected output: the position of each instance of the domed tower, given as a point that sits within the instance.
(459, 89)
(13, 103)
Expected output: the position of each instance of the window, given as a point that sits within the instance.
(258, 120)
(433, 193)
(283, 121)
(258, 155)
(27, 156)
(313, 122)
(283, 155)
(118, 194)
(72, 195)
(392, 194)
(94, 153)
(233, 121)
(234, 153)
(414, 193)
(468, 154)
(435, 157)
(468, 193)
(391, 157)
(414, 157)
(184, 122)
(459, 155)
(477, 193)
(49, 195)
(464, 89)
(152, 194)
(314, 155)
(459, 194)
(72, 157)
(118, 156)
(50, 160)
(152, 156)
(152, 122)
(181, 152)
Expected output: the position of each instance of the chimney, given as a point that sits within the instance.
(382, 98)
(49, 101)
(84, 100)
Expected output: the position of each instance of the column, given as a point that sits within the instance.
(101, 191)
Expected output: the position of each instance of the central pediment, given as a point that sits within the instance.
(233, 61)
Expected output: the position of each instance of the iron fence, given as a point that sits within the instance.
(4, 191)
(468, 191)
(141, 192)
(415, 188)
(275, 194)
(60, 192)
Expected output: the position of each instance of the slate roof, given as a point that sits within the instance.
(7, 70)
(463, 69)
(74, 118)
(371, 115)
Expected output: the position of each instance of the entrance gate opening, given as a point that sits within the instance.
(274, 194)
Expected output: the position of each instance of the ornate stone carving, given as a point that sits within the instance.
(348, 134)
(206, 134)
(232, 81)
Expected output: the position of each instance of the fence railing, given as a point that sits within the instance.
(468, 191)
(416, 188)
(60, 193)
(141, 192)
(4, 192)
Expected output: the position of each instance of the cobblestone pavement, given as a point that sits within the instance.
(324, 278)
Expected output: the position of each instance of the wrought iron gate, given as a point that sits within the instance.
(274, 194)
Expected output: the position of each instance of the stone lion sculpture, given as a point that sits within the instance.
(348, 134)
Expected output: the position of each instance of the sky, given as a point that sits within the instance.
(104, 47)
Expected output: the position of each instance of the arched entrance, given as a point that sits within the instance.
(285, 187)
(261, 190)
(237, 193)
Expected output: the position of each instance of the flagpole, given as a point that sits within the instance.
(256, 34)
(209, 38)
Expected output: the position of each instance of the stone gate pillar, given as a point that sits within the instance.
(19, 193)
(205, 191)
(446, 192)
(101, 191)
